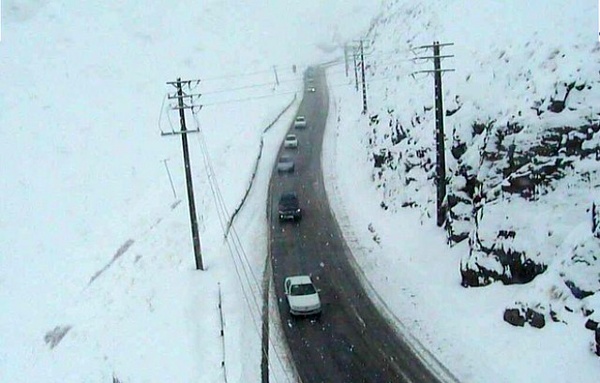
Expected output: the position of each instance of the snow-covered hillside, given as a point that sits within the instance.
(96, 268)
(97, 278)
(522, 122)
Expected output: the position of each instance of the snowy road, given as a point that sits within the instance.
(351, 342)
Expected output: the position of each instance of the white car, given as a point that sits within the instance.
(300, 122)
(291, 141)
(285, 164)
(302, 296)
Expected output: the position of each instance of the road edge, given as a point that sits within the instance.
(331, 190)
(267, 279)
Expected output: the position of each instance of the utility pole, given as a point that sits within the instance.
(355, 69)
(346, 58)
(364, 82)
(439, 124)
(181, 106)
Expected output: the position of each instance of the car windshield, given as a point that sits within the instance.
(299, 118)
(291, 138)
(285, 159)
(303, 289)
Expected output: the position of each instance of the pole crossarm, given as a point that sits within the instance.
(433, 45)
(175, 83)
(432, 57)
(174, 133)
(175, 96)
(365, 44)
(186, 107)
(434, 71)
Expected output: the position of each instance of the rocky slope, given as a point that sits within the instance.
(522, 137)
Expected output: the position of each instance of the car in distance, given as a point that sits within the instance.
(285, 164)
(302, 296)
(309, 74)
(291, 141)
(311, 89)
(289, 207)
(300, 122)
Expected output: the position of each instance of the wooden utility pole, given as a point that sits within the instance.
(355, 69)
(181, 106)
(439, 124)
(364, 81)
(441, 150)
(346, 58)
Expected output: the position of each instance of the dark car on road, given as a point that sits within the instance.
(309, 75)
(289, 207)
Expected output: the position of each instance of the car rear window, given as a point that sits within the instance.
(304, 289)
(289, 197)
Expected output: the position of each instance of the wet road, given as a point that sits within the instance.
(351, 341)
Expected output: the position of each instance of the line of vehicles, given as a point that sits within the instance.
(301, 294)
(285, 163)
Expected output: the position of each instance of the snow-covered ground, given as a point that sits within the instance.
(507, 56)
(97, 276)
(405, 258)
(92, 246)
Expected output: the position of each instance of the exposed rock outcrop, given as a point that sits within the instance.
(598, 341)
(499, 262)
(514, 317)
(520, 315)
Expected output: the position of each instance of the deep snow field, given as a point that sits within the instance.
(85, 187)
(97, 275)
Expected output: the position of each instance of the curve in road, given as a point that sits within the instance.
(351, 341)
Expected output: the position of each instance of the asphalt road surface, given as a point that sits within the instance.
(351, 341)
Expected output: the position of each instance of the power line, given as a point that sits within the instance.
(276, 93)
(222, 218)
(289, 80)
(291, 64)
(236, 75)
(281, 81)
(235, 246)
(251, 86)
(281, 93)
